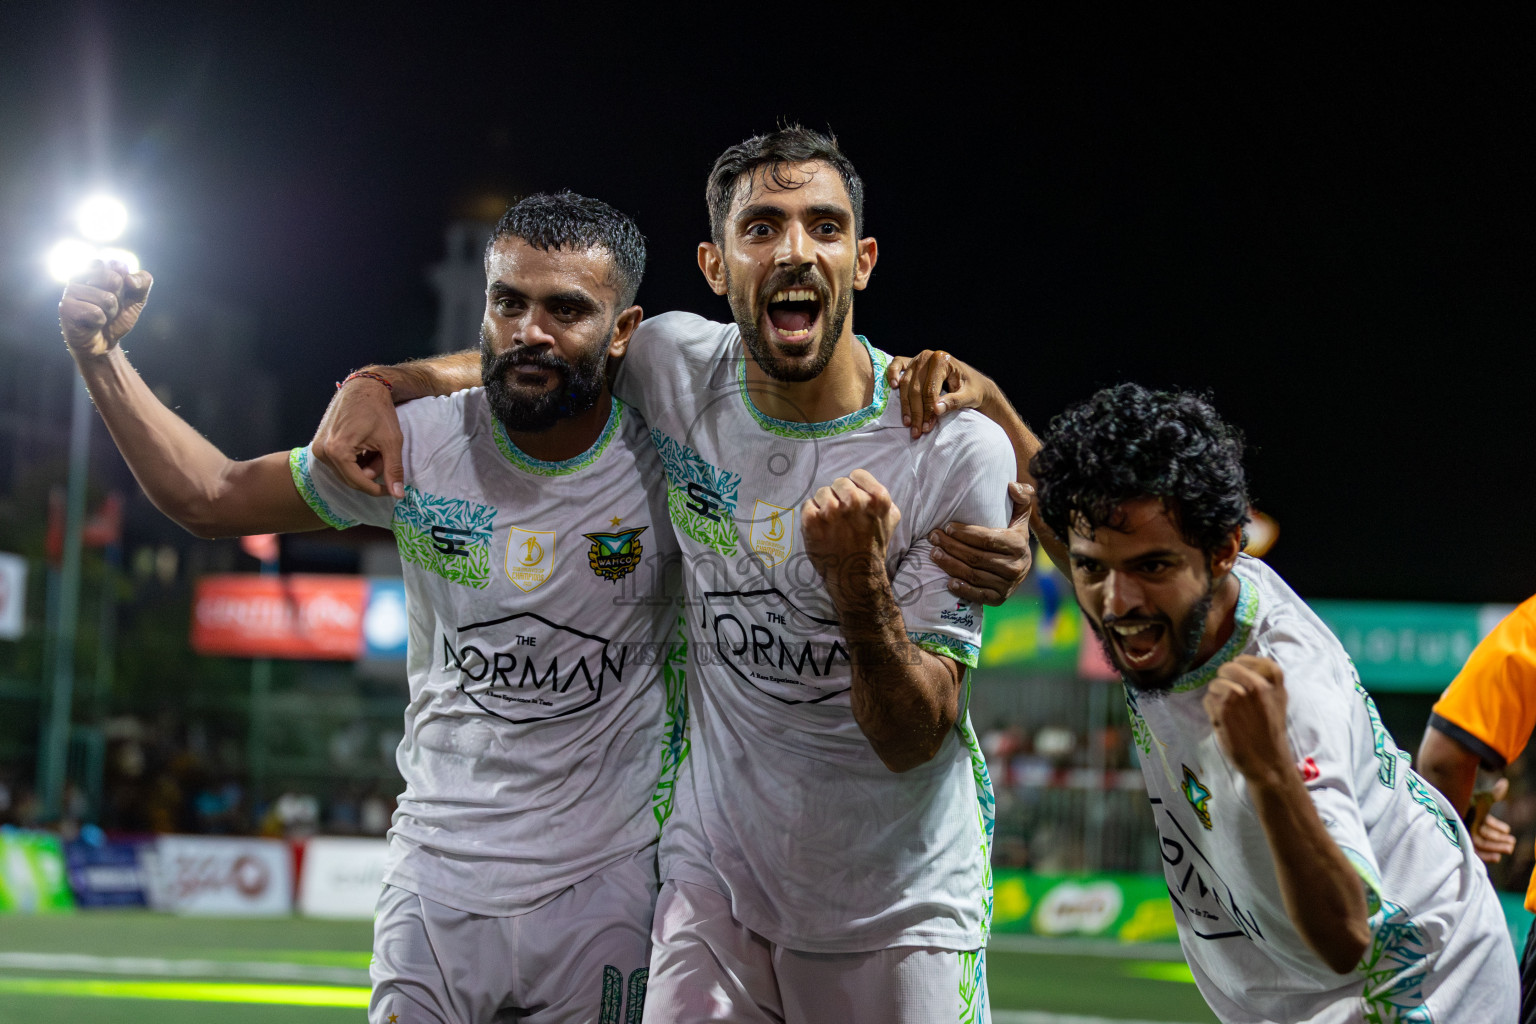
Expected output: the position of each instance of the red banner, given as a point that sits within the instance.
(270, 616)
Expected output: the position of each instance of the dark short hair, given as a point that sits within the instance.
(1126, 443)
(565, 220)
(777, 150)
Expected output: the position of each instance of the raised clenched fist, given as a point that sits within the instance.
(847, 527)
(100, 306)
(1246, 703)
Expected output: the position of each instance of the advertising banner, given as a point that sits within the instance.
(341, 877)
(1131, 908)
(269, 616)
(111, 874)
(224, 875)
(32, 877)
(13, 596)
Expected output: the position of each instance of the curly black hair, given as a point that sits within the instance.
(565, 220)
(791, 144)
(1126, 443)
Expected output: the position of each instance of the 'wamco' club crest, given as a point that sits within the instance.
(613, 556)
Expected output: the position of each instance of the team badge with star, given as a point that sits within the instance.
(613, 556)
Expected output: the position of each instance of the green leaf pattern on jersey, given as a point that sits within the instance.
(1141, 734)
(947, 647)
(1381, 740)
(1395, 967)
(300, 461)
(1387, 760)
(415, 516)
(973, 986)
(973, 963)
(683, 467)
(804, 431)
(674, 737)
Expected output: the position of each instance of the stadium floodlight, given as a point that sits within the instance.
(101, 218)
(68, 258)
(71, 256)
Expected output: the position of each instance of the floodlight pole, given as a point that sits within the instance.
(53, 751)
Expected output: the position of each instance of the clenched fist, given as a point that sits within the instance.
(847, 527)
(101, 305)
(1246, 703)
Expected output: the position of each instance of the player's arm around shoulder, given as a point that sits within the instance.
(187, 478)
(1323, 894)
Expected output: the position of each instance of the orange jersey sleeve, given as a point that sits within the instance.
(1490, 707)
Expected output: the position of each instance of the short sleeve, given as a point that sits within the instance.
(976, 465)
(338, 505)
(1490, 707)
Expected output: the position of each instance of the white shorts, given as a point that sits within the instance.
(708, 967)
(578, 959)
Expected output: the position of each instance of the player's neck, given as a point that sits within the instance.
(1221, 620)
(568, 438)
(845, 385)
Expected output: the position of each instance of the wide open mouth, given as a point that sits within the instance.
(1141, 642)
(794, 313)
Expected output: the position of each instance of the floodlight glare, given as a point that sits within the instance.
(125, 256)
(101, 218)
(68, 258)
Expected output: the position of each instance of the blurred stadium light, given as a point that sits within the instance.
(101, 218)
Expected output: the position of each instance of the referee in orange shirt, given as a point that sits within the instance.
(1485, 717)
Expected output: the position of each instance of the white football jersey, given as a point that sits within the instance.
(546, 713)
(782, 803)
(1440, 950)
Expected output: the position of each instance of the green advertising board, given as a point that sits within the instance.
(1131, 908)
(1406, 646)
(32, 877)
(1019, 634)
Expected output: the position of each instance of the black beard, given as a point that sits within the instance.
(1186, 647)
(832, 329)
(581, 385)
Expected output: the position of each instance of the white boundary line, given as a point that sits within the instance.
(80, 963)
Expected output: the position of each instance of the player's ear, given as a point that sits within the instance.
(623, 330)
(1225, 555)
(713, 266)
(869, 252)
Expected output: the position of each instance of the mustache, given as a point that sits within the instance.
(800, 277)
(525, 358)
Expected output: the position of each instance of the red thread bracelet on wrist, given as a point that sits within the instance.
(365, 373)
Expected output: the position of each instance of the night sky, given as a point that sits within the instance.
(1328, 226)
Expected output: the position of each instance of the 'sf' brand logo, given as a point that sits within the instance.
(450, 540)
(704, 502)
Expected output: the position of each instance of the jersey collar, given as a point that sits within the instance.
(576, 463)
(1246, 614)
(878, 360)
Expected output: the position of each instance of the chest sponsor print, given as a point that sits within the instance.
(1209, 904)
(772, 533)
(775, 647)
(527, 668)
(530, 557)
